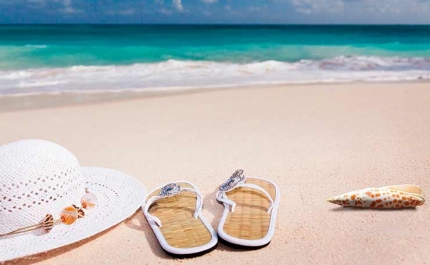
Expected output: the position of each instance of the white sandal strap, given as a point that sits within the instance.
(235, 181)
(170, 190)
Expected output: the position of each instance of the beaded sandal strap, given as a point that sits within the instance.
(238, 180)
(170, 190)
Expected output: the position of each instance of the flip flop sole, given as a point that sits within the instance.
(250, 225)
(181, 233)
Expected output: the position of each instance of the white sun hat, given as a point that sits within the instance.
(39, 178)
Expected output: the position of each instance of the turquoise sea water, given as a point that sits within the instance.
(89, 57)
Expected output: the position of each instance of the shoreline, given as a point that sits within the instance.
(16, 102)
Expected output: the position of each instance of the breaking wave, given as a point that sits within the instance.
(177, 74)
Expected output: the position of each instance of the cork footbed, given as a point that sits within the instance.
(250, 219)
(179, 227)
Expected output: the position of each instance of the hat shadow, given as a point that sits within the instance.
(139, 223)
(56, 252)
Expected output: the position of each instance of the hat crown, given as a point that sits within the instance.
(36, 178)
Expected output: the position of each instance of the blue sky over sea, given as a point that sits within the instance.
(217, 11)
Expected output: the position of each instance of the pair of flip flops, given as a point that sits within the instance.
(250, 205)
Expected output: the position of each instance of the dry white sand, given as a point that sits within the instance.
(315, 141)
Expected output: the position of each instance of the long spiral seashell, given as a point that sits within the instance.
(397, 196)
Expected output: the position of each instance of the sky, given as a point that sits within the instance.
(216, 11)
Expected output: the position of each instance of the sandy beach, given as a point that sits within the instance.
(315, 141)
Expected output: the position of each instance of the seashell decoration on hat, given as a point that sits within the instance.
(47, 200)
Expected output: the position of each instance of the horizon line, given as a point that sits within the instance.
(221, 24)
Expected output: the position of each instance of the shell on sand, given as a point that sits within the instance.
(396, 196)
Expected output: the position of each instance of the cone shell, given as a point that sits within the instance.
(399, 196)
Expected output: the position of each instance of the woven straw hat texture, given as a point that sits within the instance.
(39, 177)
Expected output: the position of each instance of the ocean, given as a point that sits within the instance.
(88, 58)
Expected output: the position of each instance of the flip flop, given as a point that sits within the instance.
(250, 206)
(174, 214)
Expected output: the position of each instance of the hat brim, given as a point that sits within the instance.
(119, 196)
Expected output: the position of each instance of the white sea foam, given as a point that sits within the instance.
(175, 74)
(36, 46)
